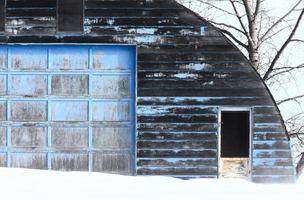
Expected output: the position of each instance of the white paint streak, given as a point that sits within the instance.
(184, 75)
(208, 83)
(110, 21)
(195, 66)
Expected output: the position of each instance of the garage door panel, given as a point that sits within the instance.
(28, 85)
(2, 137)
(29, 137)
(68, 107)
(111, 87)
(111, 111)
(70, 85)
(29, 160)
(3, 57)
(113, 59)
(33, 58)
(69, 111)
(69, 58)
(3, 110)
(69, 137)
(114, 138)
(28, 111)
(112, 162)
(3, 84)
(3, 159)
(70, 162)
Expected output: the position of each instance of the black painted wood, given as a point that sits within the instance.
(30, 4)
(2, 15)
(70, 16)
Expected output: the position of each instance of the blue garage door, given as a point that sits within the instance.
(68, 107)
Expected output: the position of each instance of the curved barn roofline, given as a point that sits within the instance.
(245, 58)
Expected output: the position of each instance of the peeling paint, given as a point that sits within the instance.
(184, 75)
(110, 21)
(208, 83)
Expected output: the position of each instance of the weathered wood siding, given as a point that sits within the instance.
(186, 71)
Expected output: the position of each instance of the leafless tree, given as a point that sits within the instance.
(264, 38)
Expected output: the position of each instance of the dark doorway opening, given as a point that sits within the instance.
(235, 131)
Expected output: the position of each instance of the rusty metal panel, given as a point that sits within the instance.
(3, 110)
(70, 137)
(112, 138)
(3, 84)
(3, 58)
(28, 111)
(111, 87)
(30, 137)
(70, 85)
(2, 136)
(68, 162)
(29, 160)
(3, 160)
(68, 107)
(112, 163)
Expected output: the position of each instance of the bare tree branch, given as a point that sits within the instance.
(290, 99)
(240, 19)
(257, 9)
(269, 36)
(216, 7)
(234, 38)
(292, 68)
(284, 70)
(228, 26)
(278, 55)
(300, 165)
(281, 19)
(297, 40)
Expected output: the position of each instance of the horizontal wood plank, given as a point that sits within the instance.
(177, 153)
(190, 144)
(178, 118)
(148, 135)
(176, 162)
(178, 171)
(163, 127)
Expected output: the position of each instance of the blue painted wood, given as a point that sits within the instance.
(79, 95)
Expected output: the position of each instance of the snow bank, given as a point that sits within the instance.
(23, 184)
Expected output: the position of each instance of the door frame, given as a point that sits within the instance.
(235, 109)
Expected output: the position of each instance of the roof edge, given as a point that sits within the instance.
(245, 58)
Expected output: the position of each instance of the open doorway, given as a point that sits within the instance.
(234, 144)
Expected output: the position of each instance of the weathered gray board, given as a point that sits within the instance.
(186, 71)
(68, 107)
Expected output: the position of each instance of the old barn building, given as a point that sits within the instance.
(135, 87)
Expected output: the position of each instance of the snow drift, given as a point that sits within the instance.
(24, 184)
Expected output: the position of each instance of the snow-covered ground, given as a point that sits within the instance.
(23, 184)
